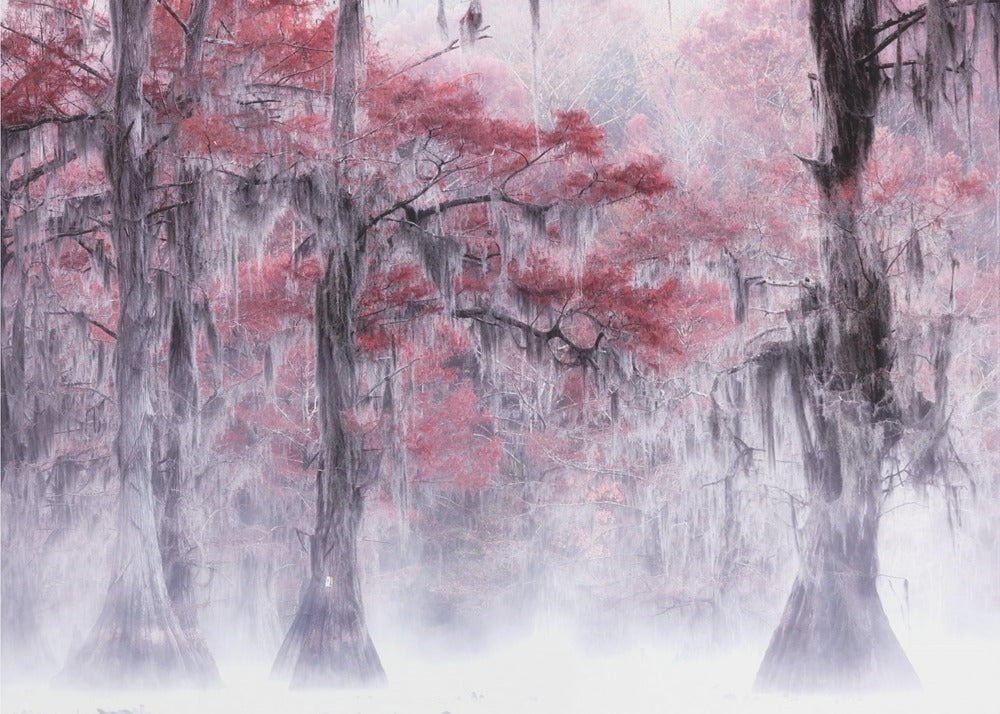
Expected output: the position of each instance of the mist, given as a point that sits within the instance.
(473, 357)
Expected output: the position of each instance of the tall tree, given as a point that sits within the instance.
(328, 643)
(464, 162)
(47, 90)
(137, 639)
(834, 632)
(50, 80)
(187, 234)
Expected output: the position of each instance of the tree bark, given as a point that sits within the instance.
(137, 640)
(834, 633)
(328, 644)
(179, 554)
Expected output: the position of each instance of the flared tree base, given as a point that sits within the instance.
(834, 636)
(328, 645)
(138, 643)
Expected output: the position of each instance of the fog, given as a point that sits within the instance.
(549, 672)
(555, 359)
(547, 660)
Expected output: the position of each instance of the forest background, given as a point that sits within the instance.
(582, 234)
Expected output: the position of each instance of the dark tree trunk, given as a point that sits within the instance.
(834, 633)
(175, 546)
(181, 557)
(179, 554)
(348, 58)
(137, 640)
(328, 644)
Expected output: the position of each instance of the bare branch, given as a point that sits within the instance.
(891, 38)
(173, 14)
(81, 316)
(579, 356)
(454, 45)
(75, 62)
(906, 20)
(51, 120)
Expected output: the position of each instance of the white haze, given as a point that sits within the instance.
(549, 673)
(940, 588)
(945, 617)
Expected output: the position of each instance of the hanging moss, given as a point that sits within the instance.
(441, 256)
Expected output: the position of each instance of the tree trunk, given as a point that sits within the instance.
(328, 644)
(137, 640)
(21, 494)
(179, 554)
(834, 633)
(23, 650)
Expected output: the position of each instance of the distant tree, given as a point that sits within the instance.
(36, 83)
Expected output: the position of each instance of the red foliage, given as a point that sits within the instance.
(577, 131)
(450, 439)
(272, 295)
(52, 65)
